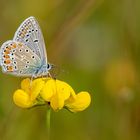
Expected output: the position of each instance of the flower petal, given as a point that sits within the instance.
(22, 99)
(63, 93)
(36, 87)
(63, 89)
(81, 102)
(48, 90)
(57, 102)
(25, 85)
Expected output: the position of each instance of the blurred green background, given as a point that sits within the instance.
(96, 43)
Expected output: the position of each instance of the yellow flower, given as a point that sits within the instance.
(81, 102)
(27, 95)
(57, 92)
(22, 99)
(50, 91)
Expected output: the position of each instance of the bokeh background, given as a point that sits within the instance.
(96, 43)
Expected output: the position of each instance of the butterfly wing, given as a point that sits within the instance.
(18, 59)
(29, 33)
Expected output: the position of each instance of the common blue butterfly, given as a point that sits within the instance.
(25, 55)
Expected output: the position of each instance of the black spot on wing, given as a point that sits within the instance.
(35, 40)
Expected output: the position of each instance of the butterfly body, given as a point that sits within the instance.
(25, 55)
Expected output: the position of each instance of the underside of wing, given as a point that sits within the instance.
(29, 33)
(17, 59)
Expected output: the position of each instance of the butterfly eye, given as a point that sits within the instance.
(48, 66)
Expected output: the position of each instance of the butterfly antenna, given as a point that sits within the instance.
(59, 70)
(55, 73)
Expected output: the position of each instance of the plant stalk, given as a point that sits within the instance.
(48, 122)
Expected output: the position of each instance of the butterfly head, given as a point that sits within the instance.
(49, 66)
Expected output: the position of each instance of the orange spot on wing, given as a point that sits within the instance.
(9, 68)
(6, 51)
(26, 28)
(14, 45)
(8, 48)
(24, 32)
(20, 44)
(6, 56)
(22, 35)
(7, 61)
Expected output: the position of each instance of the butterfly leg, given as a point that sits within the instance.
(32, 78)
(49, 75)
(43, 74)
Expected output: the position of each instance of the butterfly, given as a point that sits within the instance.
(25, 55)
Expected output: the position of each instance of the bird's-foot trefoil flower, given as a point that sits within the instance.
(53, 92)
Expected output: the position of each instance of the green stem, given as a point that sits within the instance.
(48, 122)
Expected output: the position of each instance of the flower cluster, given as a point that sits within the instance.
(56, 93)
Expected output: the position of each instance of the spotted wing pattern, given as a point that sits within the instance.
(29, 33)
(18, 59)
